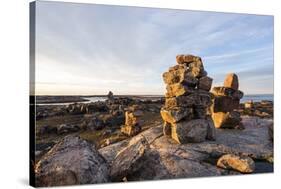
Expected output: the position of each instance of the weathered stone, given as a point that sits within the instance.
(224, 104)
(176, 114)
(95, 124)
(197, 69)
(129, 159)
(190, 131)
(226, 119)
(71, 161)
(231, 81)
(205, 83)
(178, 66)
(242, 164)
(201, 99)
(110, 152)
(67, 128)
(130, 130)
(165, 159)
(130, 119)
(181, 59)
(167, 129)
(180, 101)
(178, 89)
(46, 129)
(223, 91)
(248, 105)
(200, 112)
(180, 75)
(211, 132)
(238, 95)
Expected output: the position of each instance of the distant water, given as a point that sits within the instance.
(257, 98)
(246, 98)
(91, 99)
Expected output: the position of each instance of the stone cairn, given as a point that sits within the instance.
(133, 121)
(110, 96)
(226, 100)
(187, 101)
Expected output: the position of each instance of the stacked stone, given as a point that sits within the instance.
(187, 101)
(226, 100)
(132, 121)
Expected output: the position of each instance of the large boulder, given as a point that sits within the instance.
(243, 164)
(129, 159)
(71, 161)
(231, 81)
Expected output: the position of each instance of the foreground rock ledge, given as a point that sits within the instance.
(160, 157)
(71, 161)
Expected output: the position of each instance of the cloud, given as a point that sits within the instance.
(96, 48)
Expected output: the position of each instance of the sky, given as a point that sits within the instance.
(87, 49)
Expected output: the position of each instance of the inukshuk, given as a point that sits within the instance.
(226, 100)
(187, 100)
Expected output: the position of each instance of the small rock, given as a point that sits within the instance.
(242, 164)
(67, 128)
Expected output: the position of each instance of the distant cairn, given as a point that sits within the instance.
(187, 101)
(226, 100)
(133, 121)
(110, 95)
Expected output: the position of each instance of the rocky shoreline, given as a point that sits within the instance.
(192, 132)
(99, 127)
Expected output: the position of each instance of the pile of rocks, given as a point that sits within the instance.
(226, 100)
(185, 113)
(132, 121)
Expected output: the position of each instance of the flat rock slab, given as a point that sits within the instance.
(164, 158)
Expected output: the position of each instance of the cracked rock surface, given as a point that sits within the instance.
(151, 155)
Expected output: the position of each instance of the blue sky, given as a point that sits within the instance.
(91, 49)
